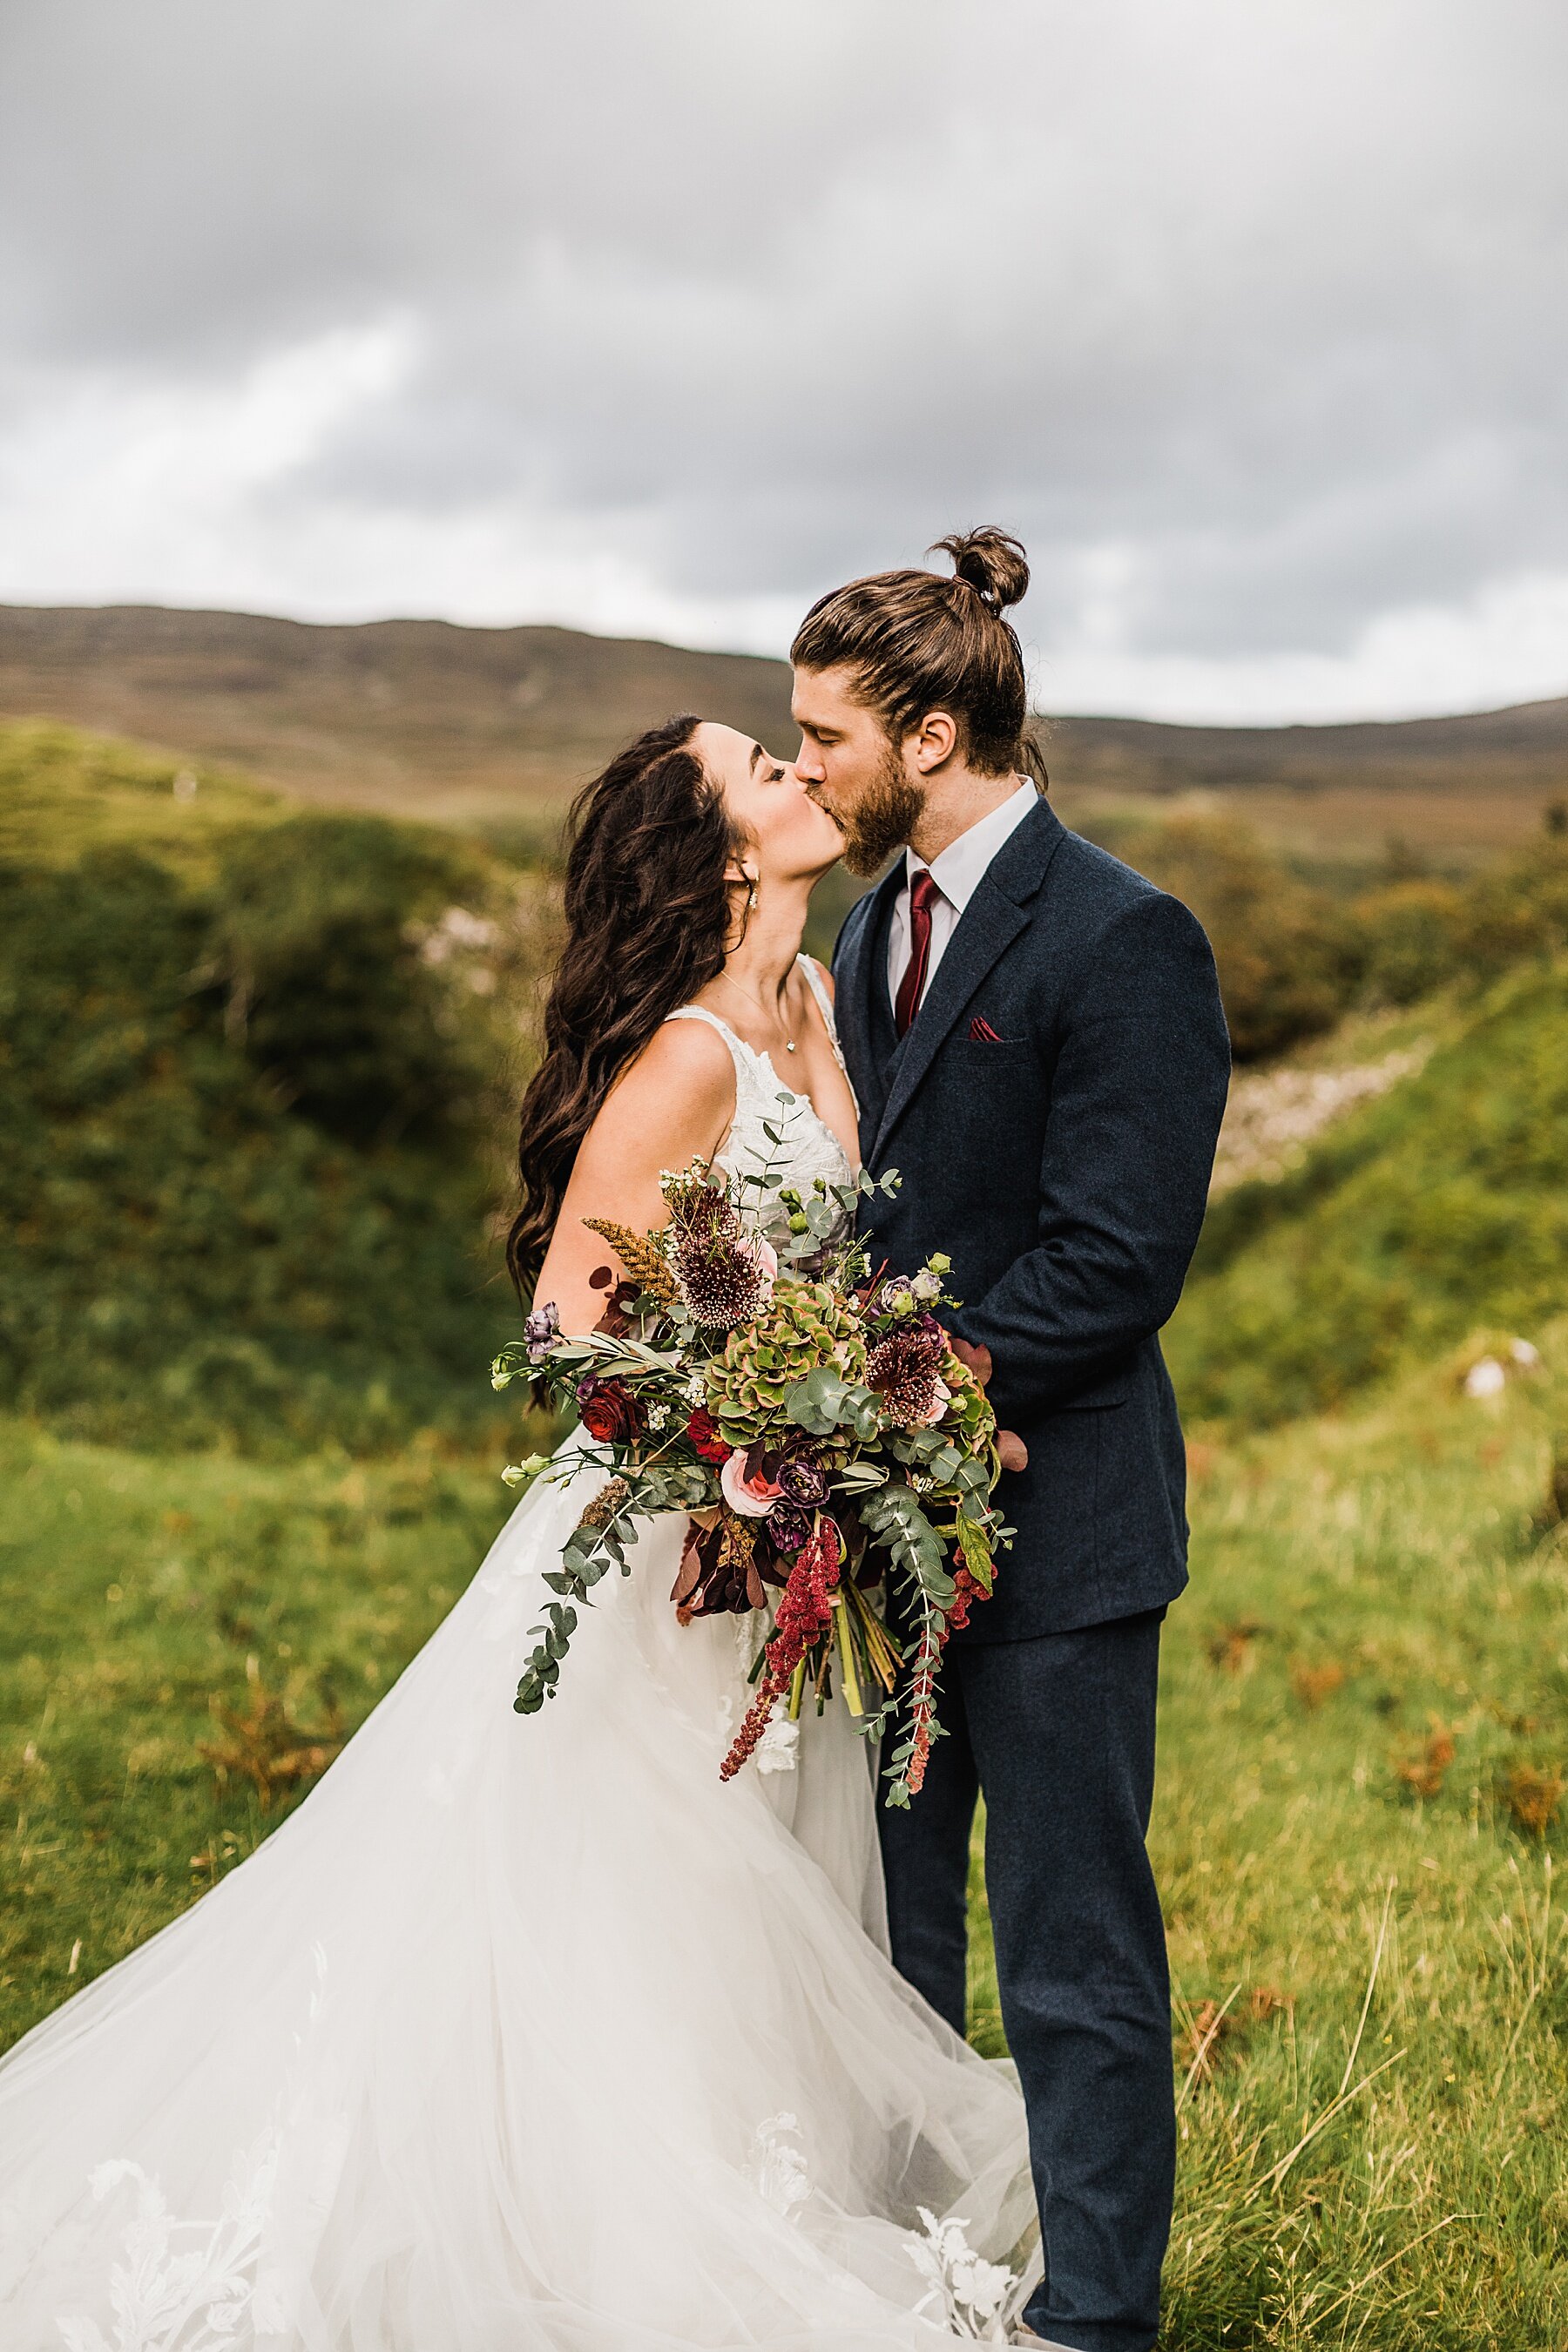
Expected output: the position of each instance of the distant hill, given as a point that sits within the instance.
(467, 724)
(419, 717)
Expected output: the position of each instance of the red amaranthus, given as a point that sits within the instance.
(804, 1613)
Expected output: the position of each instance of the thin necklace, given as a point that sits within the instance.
(761, 1008)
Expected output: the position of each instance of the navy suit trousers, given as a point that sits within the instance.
(1058, 1734)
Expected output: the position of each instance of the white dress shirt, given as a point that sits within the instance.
(956, 874)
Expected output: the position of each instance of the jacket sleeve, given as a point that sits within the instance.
(1137, 1096)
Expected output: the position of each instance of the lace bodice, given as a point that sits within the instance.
(807, 1147)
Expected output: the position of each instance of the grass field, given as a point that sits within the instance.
(1365, 1728)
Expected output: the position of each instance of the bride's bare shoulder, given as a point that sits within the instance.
(682, 1084)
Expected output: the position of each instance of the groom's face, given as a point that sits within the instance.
(852, 768)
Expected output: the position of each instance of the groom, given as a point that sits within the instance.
(1035, 1037)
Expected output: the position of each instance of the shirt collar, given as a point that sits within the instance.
(957, 871)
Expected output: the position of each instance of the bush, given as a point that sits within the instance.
(1289, 959)
(1411, 936)
(188, 1257)
(1516, 912)
(357, 955)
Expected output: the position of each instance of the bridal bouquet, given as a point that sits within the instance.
(822, 1431)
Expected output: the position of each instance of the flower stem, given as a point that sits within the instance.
(857, 1706)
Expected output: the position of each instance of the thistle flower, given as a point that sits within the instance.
(723, 1275)
(905, 1369)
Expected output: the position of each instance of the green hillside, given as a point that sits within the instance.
(1441, 1208)
(254, 1061)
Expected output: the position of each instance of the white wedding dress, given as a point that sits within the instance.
(528, 2035)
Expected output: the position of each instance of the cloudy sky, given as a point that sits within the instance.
(658, 316)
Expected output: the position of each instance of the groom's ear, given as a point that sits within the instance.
(933, 742)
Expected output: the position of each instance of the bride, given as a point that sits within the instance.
(528, 2032)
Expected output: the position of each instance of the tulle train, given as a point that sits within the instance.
(520, 2033)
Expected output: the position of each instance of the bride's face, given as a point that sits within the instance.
(790, 838)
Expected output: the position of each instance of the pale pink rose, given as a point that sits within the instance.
(750, 1498)
(941, 1397)
(765, 1258)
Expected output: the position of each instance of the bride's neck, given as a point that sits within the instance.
(762, 960)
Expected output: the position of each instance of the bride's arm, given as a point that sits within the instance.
(674, 1104)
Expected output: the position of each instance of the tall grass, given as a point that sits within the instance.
(1364, 1740)
(1364, 1733)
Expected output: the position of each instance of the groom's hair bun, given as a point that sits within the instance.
(991, 561)
(915, 641)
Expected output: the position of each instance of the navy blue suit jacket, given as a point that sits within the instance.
(1064, 1168)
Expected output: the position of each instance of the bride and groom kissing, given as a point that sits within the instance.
(535, 2034)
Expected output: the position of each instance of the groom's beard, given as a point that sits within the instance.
(882, 819)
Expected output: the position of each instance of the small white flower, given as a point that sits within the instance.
(780, 2172)
(926, 1285)
(778, 1750)
(970, 2291)
(657, 1414)
(1484, 1379)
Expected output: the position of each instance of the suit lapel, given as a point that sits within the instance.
(988, 926)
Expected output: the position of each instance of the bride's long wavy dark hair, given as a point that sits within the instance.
(648, 914)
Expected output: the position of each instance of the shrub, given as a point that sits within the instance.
(185, 1258)
(339, 941)
(1289, 959)
(1411, 936)
(1517, 911)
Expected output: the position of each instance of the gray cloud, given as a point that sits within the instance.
(1249, 320)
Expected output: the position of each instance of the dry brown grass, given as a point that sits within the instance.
(265, 1746)
(1230, 1646)
(1532, 1798)
(1424, 1773)
(1313, 1684)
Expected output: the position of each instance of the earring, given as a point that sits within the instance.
(751, 896)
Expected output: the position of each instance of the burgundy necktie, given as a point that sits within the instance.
(923, 893)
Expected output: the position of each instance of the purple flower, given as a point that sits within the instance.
(800, 1481)
(541, 1330)
(788, 1525)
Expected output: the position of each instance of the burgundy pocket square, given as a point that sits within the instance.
(981, 1032)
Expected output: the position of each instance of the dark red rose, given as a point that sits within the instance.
(708, 1437)
(610, 1411)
